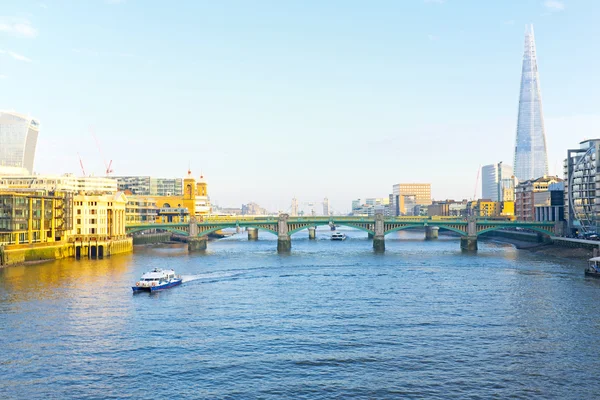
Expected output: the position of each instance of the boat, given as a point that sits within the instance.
(157, 279)
(593, 268)
(338, 236)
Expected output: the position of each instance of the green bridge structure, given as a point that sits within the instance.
(196, 231)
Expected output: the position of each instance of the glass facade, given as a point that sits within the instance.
(495, 178)
(531, 159)
(18, 140)
(581, 174)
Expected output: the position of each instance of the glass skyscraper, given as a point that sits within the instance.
(531, 159)
(18, 139)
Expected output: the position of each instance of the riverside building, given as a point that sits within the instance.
(582, 201)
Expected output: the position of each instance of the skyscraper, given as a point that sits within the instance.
(494, 177)
(531, 159)
(18, 139)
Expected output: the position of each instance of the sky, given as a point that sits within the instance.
(309, 99)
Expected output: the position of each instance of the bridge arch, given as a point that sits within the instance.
(326, 223)
(532, 228)
(234, 225)
(400, 228)
(148, 228)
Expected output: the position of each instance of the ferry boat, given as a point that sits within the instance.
(593, 268)
(338, 236)
(157, 279)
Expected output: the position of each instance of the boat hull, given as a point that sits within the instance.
(592, 274)
(168, 285)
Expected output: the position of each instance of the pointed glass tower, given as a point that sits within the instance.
(531, 159)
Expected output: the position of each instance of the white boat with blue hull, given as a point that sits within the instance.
(157, 279)
(338, 236)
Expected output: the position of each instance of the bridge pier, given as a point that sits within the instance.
(312, 233)
(379, 237)
(284, 241)
(431, 232)
(252, 234)
(197, 244)
(468, 243)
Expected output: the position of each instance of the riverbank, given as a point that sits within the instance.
(546, 249)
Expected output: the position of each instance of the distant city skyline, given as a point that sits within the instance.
(274, 100)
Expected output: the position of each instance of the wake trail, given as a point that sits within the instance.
(209, 275)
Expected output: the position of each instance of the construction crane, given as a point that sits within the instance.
(476, 183)
(106, 165)
(81, 164)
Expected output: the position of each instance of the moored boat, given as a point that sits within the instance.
(338, 236)
(157, 279)
(593, 269)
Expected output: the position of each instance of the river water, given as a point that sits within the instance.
(330, 320)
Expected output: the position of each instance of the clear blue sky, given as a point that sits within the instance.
(275, 99)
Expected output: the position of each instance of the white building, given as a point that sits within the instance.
(67, 182)
(18, 140)
(494, 179)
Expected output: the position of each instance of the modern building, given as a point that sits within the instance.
(68, 183)
(421, 191)
(524, 196)
(294, 212)
(142, 210)
(496, 179)
(582, 200)
(18, 140)
(531, 159)
(550, 205)
(35, 216)
(149, 186)
(326, 209)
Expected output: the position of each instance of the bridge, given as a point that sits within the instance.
(377, 227)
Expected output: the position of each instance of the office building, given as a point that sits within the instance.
(496, 182)
(67, 182)
(531, 159)
(18, 140)
(550, 205)
(420, 191)
(149, 186)
(326, 210)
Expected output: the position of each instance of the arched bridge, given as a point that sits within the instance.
(377, 227)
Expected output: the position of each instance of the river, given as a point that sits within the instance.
(330, 320)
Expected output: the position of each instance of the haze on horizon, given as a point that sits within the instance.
(272, 101)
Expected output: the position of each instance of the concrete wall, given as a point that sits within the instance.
(19, 254)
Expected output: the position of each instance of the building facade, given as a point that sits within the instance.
(495, 182)
(550, 205)
(18, 139)
(67, 183)
(531, 159)
(420, 191)
(525, 199)
(149, 186)
(35, 216)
